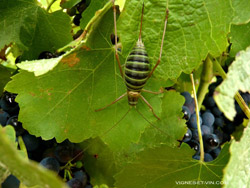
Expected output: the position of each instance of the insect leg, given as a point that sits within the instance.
(116, 100)
(162, 40)
(151, 108)
(153, 92)
(116, 48)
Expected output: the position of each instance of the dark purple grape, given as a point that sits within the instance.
(81, 176)
(208, 157)
(71, 11)
(207, 129)
(64, 151)
(31, 142)
(219, 122)
(81, 6)
(112, 38)
(209, 102)
(208, 119)
(74, 183)
(196, 157)
(219, 134)
(194, 144)
(13, 121)
(211, 141)
(188, 98)
(229, 128)
(192, 123)
(51, 164)
(216, 111)
(46, 55)
(11, 182)
(188, 136)
(78, 34)
(9, 104)
(215, 153)
(186, 113)
(4, 116)
(77, 19)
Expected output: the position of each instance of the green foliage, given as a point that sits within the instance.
(240, 156)
(32, 28)
(124, 146)
(5, 77)
(238, 78)
(165, 167)
(239, 38)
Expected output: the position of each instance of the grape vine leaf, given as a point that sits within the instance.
(194, 29)
(91, 81)
(28, 172)
(238, 78)
(241, 11)
(90, 11)
(4, 77)
(239, 38)
(32, 28)
(239, 161)
(165, 166)
(99, 162)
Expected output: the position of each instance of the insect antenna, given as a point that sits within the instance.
(153, 124)
(142, 11)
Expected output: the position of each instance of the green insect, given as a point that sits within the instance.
(137, 68)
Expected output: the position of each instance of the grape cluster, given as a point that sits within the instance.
(216, 129)
(77, 10)
(63, 158)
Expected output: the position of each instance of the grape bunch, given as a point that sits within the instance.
(77, 11)
(216, 129)
(64, 158)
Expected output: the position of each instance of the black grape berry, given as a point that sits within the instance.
(64, 151)
(51, 164)
(11, 182)
(4, 116)
(31, 142)
(208, 119)
(74, 183)
(188, 136)
(46, 55)
(16, 124)
(81, 176)
(211, 141)
(77, 19)
(8, 103)
(186, 113)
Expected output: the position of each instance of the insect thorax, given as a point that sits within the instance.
(137, 68)
(133, 97)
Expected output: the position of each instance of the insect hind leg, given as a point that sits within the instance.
(116, 100)
(151, 108)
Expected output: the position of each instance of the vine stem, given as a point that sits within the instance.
(197, 118)
(49, 6)
(237, 97)
(206, 77)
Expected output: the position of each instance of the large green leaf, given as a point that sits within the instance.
(238, 78)
(240, 158)
(194, 29)
(164, 166)
(65, 99)
(239, 37)
(32, 28)
(91, 80)
(28, 172)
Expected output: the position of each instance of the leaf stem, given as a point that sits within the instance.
(237, 97)
(206, 77)
(50, 4)
(197, 118)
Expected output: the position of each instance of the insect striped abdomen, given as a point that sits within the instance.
(137, 68)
